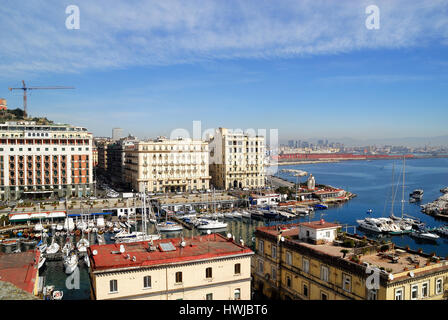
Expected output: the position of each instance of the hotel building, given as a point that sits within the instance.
(314, 261)
(163, 165)
(208, 267)
(237, 160)
(39, 160)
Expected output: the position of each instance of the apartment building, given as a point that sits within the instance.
(39, 160)
(315, 261)
(237, 160)
(164, 165)
(207, 267)
(116, 159)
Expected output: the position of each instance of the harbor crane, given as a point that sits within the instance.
(25, 89)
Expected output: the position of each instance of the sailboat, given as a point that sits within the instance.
(53, 247)
(135, 236)
(405, 224)
(206, 224)
(70, 262)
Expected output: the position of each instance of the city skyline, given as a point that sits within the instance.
(310, 70)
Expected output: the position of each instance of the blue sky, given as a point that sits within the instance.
(306, 68)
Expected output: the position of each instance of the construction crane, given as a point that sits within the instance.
(25, 89)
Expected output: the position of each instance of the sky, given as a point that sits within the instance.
(310, 69)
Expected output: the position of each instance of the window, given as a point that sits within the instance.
(260, 246)
(372, 294)
(414, 292)
(324, 273)
(346, 282)
(425, 289)
(208, 272)
(113, 286)
(147, 282)
(288, 258)
(305, 290)
(399, 294)
(260, 266)
(288, 281)
(274, 273)
(237, 294)
(178, 277)
(209, 296)
(238, 268)
(323, 296)
(306, 265)
(274, 252)
(439, 286)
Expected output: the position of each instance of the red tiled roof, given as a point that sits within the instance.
(197, 248)
(320, 224)
(20, 269)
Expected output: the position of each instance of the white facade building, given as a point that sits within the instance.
(237, 160)
(164, 165)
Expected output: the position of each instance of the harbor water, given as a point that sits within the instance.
(371, 181)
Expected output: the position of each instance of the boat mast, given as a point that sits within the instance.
(392, 193)
(402, 200)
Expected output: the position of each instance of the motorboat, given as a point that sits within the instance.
(38, 227)
(302, 211)
(246, 214)
(87, 261)
(42, 247)
(70, 262)
(53, 247)
(416, 194)
(82, 245)
(320, 206)
(67, 248)
(100, 223)
(169, 226)
(69, 225)
(136, 237)
(59, 227)
(211, 224)
(81, 225)
(229, 215)
(237, 215)
(57, 295)
(41, 262)
(371, 224)
(424, 235)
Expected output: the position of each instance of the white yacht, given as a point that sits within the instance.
(229, 215)
(169, 226)
(69, 225)
(53, 247)
(42, 260)
(70, 263)
(371, 224)
(81, 225)
(425, 235)
(82, 245)
(68, 246)
(211, 224)
(246, 214)
(100, 222)
(237, 215)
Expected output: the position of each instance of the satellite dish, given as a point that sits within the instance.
(122, 248)
(208, 232)
(391, 276)
(229, 235)
(411, 274)
(282, 239)
(183, 244)
(94, 252)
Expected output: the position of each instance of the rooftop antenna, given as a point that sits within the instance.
(25, 89)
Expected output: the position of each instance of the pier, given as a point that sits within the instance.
(183, 223)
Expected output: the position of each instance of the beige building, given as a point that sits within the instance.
(38, 160)
(237, 160)
(315, 261)
(164, 165)
(208, 267)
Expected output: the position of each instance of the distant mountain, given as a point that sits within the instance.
(409, 141)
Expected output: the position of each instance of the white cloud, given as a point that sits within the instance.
(119, 34)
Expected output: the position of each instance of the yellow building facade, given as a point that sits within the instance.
(286, 267)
